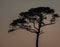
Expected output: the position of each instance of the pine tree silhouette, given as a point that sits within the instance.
(34, 15)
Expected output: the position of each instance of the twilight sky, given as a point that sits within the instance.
(9, 10)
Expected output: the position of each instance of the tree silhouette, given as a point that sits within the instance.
(34, 15)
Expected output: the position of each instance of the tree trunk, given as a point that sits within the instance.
(39, 28)
(37, 39)
(38, 33)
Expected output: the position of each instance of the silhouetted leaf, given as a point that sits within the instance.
(56, 15)
(11, 30)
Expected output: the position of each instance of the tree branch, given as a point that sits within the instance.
(47, 24)
(35, 26)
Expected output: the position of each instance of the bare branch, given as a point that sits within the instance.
(47, 24)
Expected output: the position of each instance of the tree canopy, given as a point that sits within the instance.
(35, 15)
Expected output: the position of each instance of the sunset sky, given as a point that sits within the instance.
(10, 9)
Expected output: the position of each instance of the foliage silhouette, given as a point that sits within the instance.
(34, 15)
